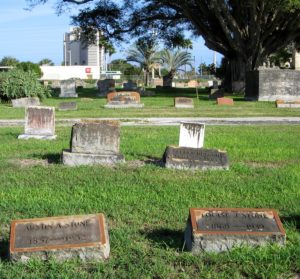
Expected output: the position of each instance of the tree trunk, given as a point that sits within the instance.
(168, 79)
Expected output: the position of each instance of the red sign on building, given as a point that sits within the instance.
(88, 70)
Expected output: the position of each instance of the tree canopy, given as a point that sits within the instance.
(244, 31)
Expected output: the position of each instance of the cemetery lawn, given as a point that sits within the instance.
(147, 206)
(161, 105)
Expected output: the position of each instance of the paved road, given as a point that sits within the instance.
(172, 121)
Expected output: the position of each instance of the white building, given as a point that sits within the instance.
(78, 53)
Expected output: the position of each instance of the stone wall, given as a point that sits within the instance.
(273, 84)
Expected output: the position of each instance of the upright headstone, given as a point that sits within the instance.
(25, 102)
(84, 237)
(221, 229)
(39, 123)
(191, 134)
(182, 102)
(130, 86)
(190, 153)
(67, 106)
(106, 86)
(95, 142)
(68, 89)
(124, 99)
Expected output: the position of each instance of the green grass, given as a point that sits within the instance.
(161, 105)
(147, 206)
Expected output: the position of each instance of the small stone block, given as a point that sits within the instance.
(191, 134)
(195, 158)
(221, 229)
(225, 101)
(25, 102)
(68, 89)
(39, 123)
(84, 237)
(279, 102)
(68, 106)
(182, 102)
(79, 159)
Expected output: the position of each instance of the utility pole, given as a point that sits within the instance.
(196, 78)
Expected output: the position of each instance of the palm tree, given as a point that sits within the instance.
(144, 52)
(172, 61)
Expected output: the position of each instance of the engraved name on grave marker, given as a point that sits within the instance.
(84, 237)
(221, 229)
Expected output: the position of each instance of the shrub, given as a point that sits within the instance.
(30, 67)
(17, 83)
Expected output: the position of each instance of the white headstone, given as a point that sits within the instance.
(191, 134)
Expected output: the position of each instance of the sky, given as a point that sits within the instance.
(37, 34)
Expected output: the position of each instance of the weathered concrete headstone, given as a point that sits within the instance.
(106, 86)
(25, 102)
(84, 237)
(271, 84)
(39, 123)
(191, 134)
(219, 229)
(124, 99)
(68, 89)
(182, 102)
(283, 104)
(195, 158)
(190, 153)
(130, 85)
(95, 142)
(67, 106)
(225, 101)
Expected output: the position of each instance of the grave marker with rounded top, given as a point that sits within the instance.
(94, 142)
(221, 229)
(84, 237)
(39, 123)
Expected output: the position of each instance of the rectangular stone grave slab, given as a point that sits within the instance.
(182, 102)
(284, 104)
(67, 106)
(39, 123)
(94, 142)
(195, 158)
(225, 101)
(25, 102)
(191, 134)
(123, 99)
(84, 237)
(221, 229)
(68, 89)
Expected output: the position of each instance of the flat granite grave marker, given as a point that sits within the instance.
(190, 153)
(39, 123)
(221, 229)
(94, 142)
(182, 102)
(225, 101)
(284, 104)
(124, 99)
(68, 89)
(25, 102)
(191, 134)
(67, 106)
(66, 237)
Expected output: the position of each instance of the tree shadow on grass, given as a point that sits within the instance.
(165, 238)
(292, 219)
(52, 158)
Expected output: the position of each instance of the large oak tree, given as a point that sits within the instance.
(244, 31)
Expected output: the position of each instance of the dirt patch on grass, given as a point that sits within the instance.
(23, 163)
